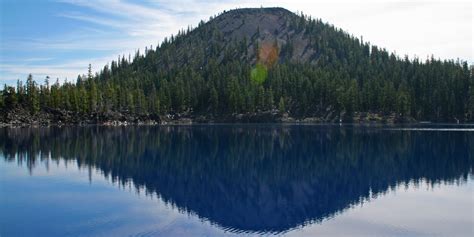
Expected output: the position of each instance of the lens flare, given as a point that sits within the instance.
(268, 54)
(267, 57)
(259, 74)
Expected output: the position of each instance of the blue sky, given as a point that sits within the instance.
(60, 38)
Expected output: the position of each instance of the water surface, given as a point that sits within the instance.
(214, 180)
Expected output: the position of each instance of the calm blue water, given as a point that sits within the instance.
(226, 180)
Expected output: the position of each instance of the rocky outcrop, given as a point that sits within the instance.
(21, 117)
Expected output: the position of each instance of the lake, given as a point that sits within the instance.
(229, 180)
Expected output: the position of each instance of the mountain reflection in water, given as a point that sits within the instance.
(254, 178)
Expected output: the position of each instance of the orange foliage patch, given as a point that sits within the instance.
(268, 54)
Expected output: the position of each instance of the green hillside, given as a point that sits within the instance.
(250, 63)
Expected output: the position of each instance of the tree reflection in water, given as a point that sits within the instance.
(253, 178)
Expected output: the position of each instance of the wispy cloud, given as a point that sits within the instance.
(36, 59)
(124, 9)
(62, 71)
(92, 19)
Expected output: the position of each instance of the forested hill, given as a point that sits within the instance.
(263, 64)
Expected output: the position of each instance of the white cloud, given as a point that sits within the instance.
(63, 71)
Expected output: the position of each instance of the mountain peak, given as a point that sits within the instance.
(260, 10)
(259, 27)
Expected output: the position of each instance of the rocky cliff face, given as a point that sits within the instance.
(265, 35)
(267, 27)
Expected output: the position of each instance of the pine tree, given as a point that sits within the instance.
(403, 102)
(93, 96)
(214, 100)
(9, 97)
(83, 100)
(269, 99)
(471, 94)
(154, 102)
(281, 105)
(2, 98)
(46, 93)
(32, 95)
(260, 98)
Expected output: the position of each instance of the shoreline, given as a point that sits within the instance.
(191, 122)
(21, 118)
